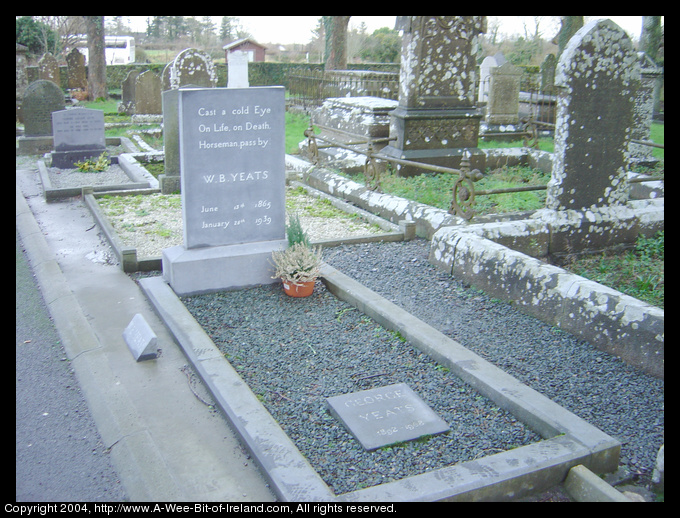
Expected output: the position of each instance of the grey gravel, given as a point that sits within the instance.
(294, 353)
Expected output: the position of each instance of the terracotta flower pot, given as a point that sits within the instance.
(305, 289)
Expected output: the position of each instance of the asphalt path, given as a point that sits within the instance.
(59, 453)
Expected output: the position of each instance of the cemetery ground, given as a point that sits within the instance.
(413, 258)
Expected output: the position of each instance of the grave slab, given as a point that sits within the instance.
(386, 415)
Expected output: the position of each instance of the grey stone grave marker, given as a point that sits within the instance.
(148, 100)
(386, 415)
(77, 73)
(140, 339)
(238, 70)
(597, 77)
(41, 98)
(233, 188)
(78, 135)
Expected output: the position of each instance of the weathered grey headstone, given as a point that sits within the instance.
(548, 73)
(77, 73)
(190, 67)
(485, 67)
(148, 99)
(386, 415)
(644, 111)
(597, 77)
(41, 98)
(127, 99)
(233, 188)
(78, 135)
(140, 339)
(238, 70)
(437, 118)
(503, 106)
(48, 68)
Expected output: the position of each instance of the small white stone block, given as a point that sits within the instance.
(140, 339)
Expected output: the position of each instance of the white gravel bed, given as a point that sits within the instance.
(64, 178)
(153, 222)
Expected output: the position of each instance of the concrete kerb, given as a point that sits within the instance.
(570, 441)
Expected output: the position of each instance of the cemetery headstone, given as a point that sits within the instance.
(78, 135)
(548, 73)
(190, 67)
(127, 99)
(48, 68)
(140, 339)
(386, 415)
(437, 117)
(487, 64)
(644, 112)
(148, 94)
(77, 73)
(597, 77)
(41, 98)
(233, 188)
(503, 102)
(238, 70)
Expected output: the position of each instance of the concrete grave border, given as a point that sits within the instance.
(569, 440)
(608, 319)
(141, 179)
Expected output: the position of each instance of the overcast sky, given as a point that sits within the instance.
(298, 29)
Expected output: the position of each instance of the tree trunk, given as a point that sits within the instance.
(96, 67)
(336, 41)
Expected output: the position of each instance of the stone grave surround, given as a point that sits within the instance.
(437, 117)
(233, 188)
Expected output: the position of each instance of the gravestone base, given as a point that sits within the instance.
(436, 137)
(35, 145)
(216, 268)
(169, 184)
(68, 159)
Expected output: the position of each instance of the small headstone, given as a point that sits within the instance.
(503, 107)
(78, 136)
(140, 339)
(238, 70)
(48, 68)
(41, 98)
(148, 99)
(386, 415)
(77, 73)
(127, 100)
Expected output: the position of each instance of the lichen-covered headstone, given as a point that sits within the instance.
(77, 73)
(597, 77)
(41, 98)
(190, 67)
(148, 99)
(48, 68)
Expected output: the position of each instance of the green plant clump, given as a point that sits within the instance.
(94, 166)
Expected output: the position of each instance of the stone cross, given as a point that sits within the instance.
(597, 77)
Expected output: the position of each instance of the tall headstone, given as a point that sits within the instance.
(41, 98)
(233, 188)
(485, 67)
(78, 135)
(437, 117)
(238, 70)
(190, 68)
(597, 78)
(77, 73)
(503, 105)
(148, 94)
(548, 73)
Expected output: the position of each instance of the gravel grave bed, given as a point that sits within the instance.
(295, 353)
(63, 178)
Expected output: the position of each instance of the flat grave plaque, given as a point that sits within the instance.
(386, 415)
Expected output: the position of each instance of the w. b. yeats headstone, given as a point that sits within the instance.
(233, 188)
(78, 135)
